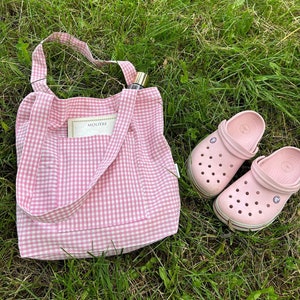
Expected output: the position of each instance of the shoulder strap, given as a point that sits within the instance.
(39, 67)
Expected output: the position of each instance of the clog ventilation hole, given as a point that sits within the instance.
(209, 166)
(236, 200)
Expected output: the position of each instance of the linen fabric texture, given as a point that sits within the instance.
(96, 195)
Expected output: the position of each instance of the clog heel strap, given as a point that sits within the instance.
(268, 182)
(232, 145)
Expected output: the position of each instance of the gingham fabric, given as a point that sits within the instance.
(94, 195)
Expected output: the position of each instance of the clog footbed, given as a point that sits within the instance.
(255, 200)
(215, 160)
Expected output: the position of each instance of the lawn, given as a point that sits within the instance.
(209, 59)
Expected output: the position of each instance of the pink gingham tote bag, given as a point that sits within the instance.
(92, 195)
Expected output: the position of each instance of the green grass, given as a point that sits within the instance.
(210, 60)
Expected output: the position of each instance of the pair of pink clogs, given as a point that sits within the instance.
(254, 200)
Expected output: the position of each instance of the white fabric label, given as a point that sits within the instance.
(99, 125)
(177, 171)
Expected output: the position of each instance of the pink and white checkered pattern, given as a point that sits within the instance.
(95, 195)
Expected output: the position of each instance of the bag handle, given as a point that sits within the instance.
(39, 67)
(32, 149)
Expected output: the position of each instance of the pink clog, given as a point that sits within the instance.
(215, 160)
(255, 200)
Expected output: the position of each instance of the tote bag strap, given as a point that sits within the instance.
(39, 68)
(32, 149)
